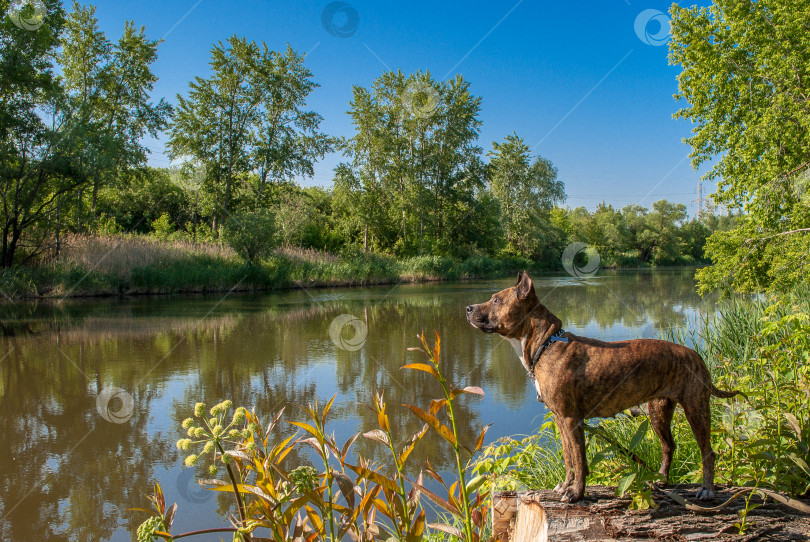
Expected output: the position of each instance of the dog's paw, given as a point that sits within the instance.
(704, 494)
(571, 495)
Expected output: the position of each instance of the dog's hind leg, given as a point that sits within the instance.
(698, 415)
(660, 413)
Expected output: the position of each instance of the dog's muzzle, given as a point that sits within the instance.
(478, 320)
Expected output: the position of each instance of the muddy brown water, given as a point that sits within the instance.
(92, 392)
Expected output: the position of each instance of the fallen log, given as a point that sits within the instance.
(539, 516)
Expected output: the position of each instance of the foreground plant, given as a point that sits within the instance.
(342, 499)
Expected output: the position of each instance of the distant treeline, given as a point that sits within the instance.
(414, 181)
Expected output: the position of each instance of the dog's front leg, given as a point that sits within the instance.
(560, 488)
(575, 430)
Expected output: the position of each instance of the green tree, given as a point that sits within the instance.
(248, 117)
(746, 80)
(38, 136)
(109, 86)
(415, 180)
(527, 190)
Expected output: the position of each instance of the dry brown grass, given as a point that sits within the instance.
(307, 254)
(119, 254)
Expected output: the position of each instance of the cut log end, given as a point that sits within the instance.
(539, 516)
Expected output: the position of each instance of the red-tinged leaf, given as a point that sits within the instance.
(476, 517)
(312, 441)
(438, 347)
(346, 487)
(432, 472)
(346, 446)
(380, 505)
(314, 518)
(418, 526)
(440, 501)
(436, 405)
(480, 440)
(328, 407)
(378, 436)
(422, 367)
(374, 477)
(434, 423)
(160, 502)
(475, 390)
(279, 448)
(332, 445)
(449, 529)
(168, 517)
(382, 419)
(413, 494)
(408, 447)
(306, 427)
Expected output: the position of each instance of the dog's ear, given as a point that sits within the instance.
(520, 277)
(524, 286)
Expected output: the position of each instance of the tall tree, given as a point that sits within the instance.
(37, 136)
(415, 155)
(746, 80)
(527, 190)
(109, 86)
(248, 117)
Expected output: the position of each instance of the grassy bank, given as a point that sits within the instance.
(131, 265)
(761, 347)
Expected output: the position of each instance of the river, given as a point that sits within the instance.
(93, 391)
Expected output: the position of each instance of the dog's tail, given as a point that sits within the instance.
(723, 394)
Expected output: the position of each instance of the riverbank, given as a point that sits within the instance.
(118, 265)
(141, 265)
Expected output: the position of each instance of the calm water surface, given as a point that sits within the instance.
(67, 473)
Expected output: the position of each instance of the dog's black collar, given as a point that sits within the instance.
(557, 337)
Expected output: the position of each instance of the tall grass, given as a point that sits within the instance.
(138, 264)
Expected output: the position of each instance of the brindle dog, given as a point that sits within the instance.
(587, 378)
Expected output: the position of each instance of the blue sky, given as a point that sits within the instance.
(574, 79)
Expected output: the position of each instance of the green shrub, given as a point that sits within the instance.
(252, 234)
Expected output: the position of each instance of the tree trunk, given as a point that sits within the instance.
(539, 516)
